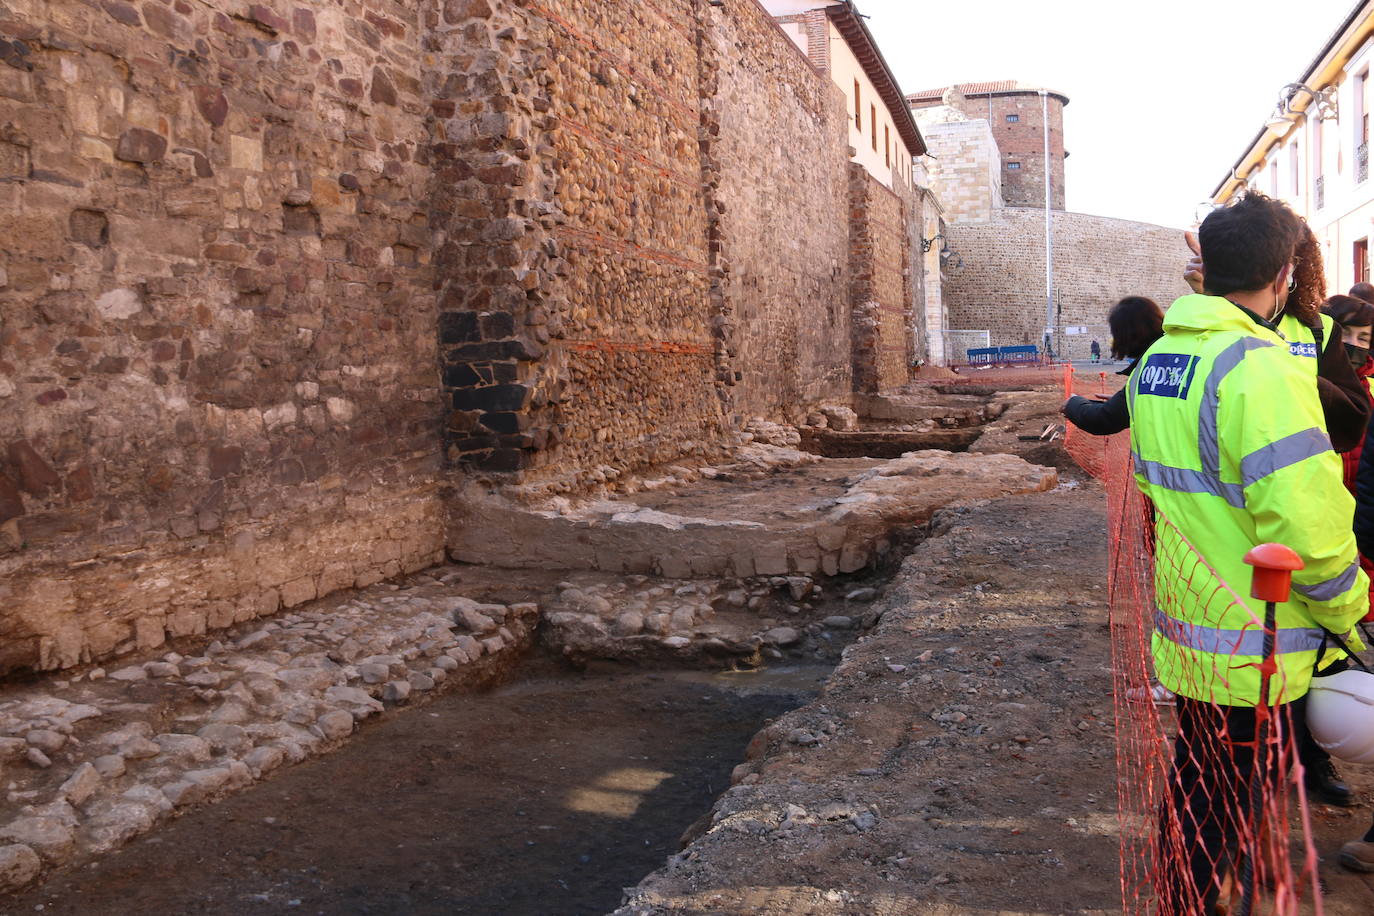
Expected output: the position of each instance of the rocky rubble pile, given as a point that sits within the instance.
(641, 618)
(92, 761)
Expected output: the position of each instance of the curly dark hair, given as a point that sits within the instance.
(1308, 296)
(1136, 323)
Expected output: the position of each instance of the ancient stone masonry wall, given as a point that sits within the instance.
(881, 294)
(217, 381)
(665, 179)
(999, 281)
(598, 349)
(499, 259)
(782, 147)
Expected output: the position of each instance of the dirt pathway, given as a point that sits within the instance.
(961, 759)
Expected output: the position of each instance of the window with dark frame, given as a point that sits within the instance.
(887, 144)
(1013, 166)
(858, 106)
(1013, 118)
(873, 123)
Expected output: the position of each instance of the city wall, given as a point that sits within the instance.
(218, 379)
(278, 275)
(995, 278)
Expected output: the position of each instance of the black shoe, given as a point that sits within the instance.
(1325, 784)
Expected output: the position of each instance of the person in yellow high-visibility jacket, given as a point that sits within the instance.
(1230, 444)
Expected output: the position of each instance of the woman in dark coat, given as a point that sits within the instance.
(1136, 323)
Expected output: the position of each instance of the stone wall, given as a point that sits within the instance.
(784, 189)
(881, 292)
(268, 265)
(671, 260)
(996, 276)
(963, 167)
(217, 361)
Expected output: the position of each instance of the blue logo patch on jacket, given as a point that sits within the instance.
(1167, 375)
(1303, 349)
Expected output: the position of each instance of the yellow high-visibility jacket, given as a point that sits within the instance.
(1229, 442)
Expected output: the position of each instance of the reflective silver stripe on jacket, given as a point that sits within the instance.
(1286, 452)
(1331, 588)
(1249, 641)
(1187, 480)
(1208, 446)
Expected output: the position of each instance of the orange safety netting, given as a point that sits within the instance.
(1212, 810)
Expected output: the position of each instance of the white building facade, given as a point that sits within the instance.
(1314, 151)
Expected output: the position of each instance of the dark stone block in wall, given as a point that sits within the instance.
(11, 503)
(498, 325)
(458, 327)
(496, 349)
(475, 443)
(506, 422)
(139, 145)
(495, 398)
(90, 228)
(225, 460)
(504, 459)
(36, 476)
(464, 376)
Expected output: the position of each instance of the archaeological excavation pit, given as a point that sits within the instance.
(761, 571)
(557, 786)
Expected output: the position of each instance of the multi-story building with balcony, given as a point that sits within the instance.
(1314, 151)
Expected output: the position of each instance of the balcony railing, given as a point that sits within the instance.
(1361, 162)
(1319, 191)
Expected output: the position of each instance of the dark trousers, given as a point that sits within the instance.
(1207, 809)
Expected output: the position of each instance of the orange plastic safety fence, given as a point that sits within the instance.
(1212, 810)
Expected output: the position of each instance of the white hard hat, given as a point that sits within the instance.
(1340, 714)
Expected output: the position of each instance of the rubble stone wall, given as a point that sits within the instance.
(218, 386)
(995, 279)
(782, 148)
(646, 242)
(881, 291)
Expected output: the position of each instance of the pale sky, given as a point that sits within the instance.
(1164, 95)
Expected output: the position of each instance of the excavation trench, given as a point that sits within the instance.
(548, 793)
(588, 715)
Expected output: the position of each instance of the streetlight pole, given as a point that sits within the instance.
(1049, 237)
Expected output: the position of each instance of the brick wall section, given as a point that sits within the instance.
(216, 316)
(882, 298)
(1001, 283)
(1022, 142)
(782, 147)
